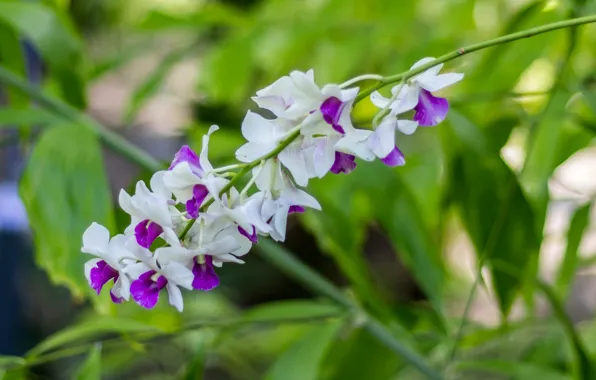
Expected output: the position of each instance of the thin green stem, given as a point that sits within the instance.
(475, 47)
(111, 139)
(294, 268)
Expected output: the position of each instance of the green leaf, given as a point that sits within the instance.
(11, 361)
(582, 364)
(12, 58)
(361, 356)
(64, 189)
(17, 117)
(56, 40)
(579, 223)
(303, 359)
(227, 70)
(196, 367)
(153, 83)
(514, 370)
(91, 367)
(494, 209)
(89, 330)
(291, 309)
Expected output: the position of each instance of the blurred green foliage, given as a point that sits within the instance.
(455, 178)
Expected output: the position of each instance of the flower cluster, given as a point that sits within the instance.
(192, 219)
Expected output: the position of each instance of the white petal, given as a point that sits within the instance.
(314, 124)
(95, 239)
(292, 158)
(430, 72)
(244, 244)
(158, 186)
(407, 126)
(204, 155)
(175, 297)
(255, 128)
(356, 144)
(178, 274)
(125, 201)
(180, 181)
(137, 269)
(221, 246)
(270, 177)
(280, 221)
(297, 197)
(324, 155)
(440, 81)
(379, 100)
(253, 150)
(166, 255)
(407, 99)
(382, 140)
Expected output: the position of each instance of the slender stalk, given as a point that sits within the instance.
(111, 139)
(294, 268)
(475, 47)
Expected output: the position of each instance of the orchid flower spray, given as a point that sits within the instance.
(191, 219)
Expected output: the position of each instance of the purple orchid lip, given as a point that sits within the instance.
(145, 290)
(344, 163)
(394, 158)
(100, 274)
(146, 232)
(205, 277)
(331, 109)
(430, 110)
(252, 237)
(296, 209)
(116, 299)
(193, 205)
(186, 154)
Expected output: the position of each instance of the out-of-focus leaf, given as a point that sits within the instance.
(583, 366)
(17, 117)
(11, 361)
(53, 35)
(579, 222)
(117, 60)
(90, 369)
(291, 309)
(64, 189)
(304, 358)
(12, 58)
(196, 367)
(514, 370)
(361, 356)
(499, 219)
(209, 15)
(153, 82)
(227, 70)
(90, 329)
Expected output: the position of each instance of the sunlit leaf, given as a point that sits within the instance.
(53, 35)
(64, 189)
(90, 369)
(88, 330)
(303, 359)
(578, 225)
(17, 117)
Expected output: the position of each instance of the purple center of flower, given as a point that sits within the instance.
(193, 205)
(146, 232)
(252, 237)
(145, 290)
(100, 274)
(394, 158)
(205, 277)
(430, 110)
(344, 163)
(295, 208)
(185, 154)
(331, 110)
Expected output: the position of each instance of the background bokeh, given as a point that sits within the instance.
(507, 180)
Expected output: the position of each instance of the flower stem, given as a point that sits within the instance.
(294, 268)
(475, 47)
